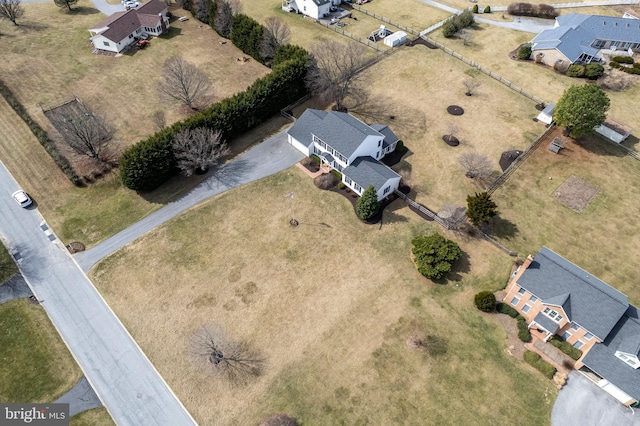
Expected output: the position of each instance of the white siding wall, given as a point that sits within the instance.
(392, 183)
(299, 146)
(369, 147)
(99, 43)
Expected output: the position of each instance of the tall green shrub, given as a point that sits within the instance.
(246, 35)
(368, 205)
(434, 255)
(487, 9)
(524, 53)
(485, 301)
(523, 330)
(148, 164)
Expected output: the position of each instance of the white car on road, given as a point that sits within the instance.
(130, 4)
(22, 198)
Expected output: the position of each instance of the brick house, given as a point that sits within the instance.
(557, 297)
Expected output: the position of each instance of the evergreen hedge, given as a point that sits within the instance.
(148, 164)
(246, 35)
(539, 364)
(523, 329)
(566, 347)
(485, 301)
(504, 308)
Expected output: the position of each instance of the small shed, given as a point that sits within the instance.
(546, 115)
(395, 39)
(614, 130)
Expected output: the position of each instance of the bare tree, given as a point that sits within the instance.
(470, 84)
(225, 9)
(86, 132)
(200, 9)
(65, 3)
(159, 119)
(11, 10)
(276, 33)
(465, 35)
(475, 165)
(450, 138)
(182, 81)
(333, 73)
(198, 149)
(215, 352)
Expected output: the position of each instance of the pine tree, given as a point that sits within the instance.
(480, 208)
(367, 205)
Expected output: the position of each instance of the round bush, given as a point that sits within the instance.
(485, 301)
(474, 9)
(594, 71)
(524, 53)
(487, 9)
(576, 71)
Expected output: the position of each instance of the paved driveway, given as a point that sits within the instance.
(121, 375)
(271, 156)
(582, 403)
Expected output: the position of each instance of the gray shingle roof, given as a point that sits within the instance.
(576, 32)
(603, 362)
(593, 304)
(630, 345)
(547, 323)
(367, 171)
(601, 357)
(389, 137)
(340, 130)
(127, 22)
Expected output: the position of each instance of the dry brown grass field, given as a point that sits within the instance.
(490, 48)
(416, 85)
(411, 13)
(601, 239)
(48, 59)
(329, 304)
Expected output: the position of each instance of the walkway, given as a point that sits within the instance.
(80, 398)
(101, 5)
(125, 381)
(271, 156)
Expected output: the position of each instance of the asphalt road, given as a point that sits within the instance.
(271, 156)
(121, 375)
(582, 403)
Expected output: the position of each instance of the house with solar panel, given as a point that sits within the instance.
(582, 39)
(349, 146)
(557, 297)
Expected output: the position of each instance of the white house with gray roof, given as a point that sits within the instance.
(316, 9)
(350, 146)
(557, 297)
(578, 38)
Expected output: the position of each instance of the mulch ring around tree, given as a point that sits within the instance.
(75, 247)
(451, 140)
(455, 110)
(423, 42)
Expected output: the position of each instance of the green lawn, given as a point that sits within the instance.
(36, 365)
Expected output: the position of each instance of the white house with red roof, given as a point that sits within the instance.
(117, 32)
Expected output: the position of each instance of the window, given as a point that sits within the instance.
(515, 301)
(130, 35)
(566, 335)
(552, 314)
(138, 31)
(106, 43)
(522, 291)
(158, 29)
(526, 308)
(533, 299)
(387, 189)
(578, 344)
(599, 44)
(379, 143)
(588, 336)
(575, 327)
(347, 180)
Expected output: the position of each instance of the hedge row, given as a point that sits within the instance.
(456, 23)
(149, 163)
(566, 347)
(539, 364)
(536, 10)
(60, 160)
(635, 69)
(504, 308)
(591, 71)
(623, 59)
(523, 329)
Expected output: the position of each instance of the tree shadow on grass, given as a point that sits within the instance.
(599, 145)
(173, 32)
(459, 267)
(81, 10)
(503, 228)
(32, 26)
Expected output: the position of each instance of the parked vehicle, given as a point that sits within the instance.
(22, 198)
